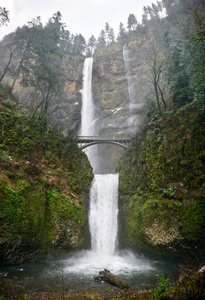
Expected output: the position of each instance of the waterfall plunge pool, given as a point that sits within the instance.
(75, 274)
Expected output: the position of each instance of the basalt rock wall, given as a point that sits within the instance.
(162, 187)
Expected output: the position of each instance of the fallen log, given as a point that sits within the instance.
(109, 277)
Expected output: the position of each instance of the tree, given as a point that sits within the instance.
(109, 34)
(11, 53)
(4, 16)
(79, 44)
(171, 34)
(197, 39)
(168, 6)
(41, 65)
(101, 42)
(132, 23)
(145, 16)
(155, 62)
(66, 42)
(91, 46)
(122, 36)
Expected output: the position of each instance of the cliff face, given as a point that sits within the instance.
(44, 183)
(162, 186)
(120, 87)
(67, 117)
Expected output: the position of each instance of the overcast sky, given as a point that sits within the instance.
(81, 16)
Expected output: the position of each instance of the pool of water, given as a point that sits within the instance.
(76, 274)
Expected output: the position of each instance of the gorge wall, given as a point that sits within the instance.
(44, 184)
(162, 173)
(109, 86)
(162, 187)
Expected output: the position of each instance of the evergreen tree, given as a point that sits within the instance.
(145, 16)
(66, 42)
(79, 44)
(132, 23)
(109, 34)
(91, 46)
(122, 36)
(40, 66)
(101, 41)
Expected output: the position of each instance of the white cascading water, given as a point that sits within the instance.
(104, 191)
(128, 75)
(87, 110)
(133, 121)
(88, 119)
(104, 213)
(103, 208)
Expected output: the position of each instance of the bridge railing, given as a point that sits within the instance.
(86, 141)
(102, 138)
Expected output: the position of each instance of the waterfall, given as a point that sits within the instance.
(128, 75)
(133, 121)
(103, 205)
(104, 190)
(88, 119)
(103, 213)
(87, 111)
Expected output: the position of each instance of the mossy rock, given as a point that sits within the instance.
(162, 189)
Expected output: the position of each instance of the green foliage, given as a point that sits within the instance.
(42, 180)
(162, 182)
(6, 158)
(190, 285)
(26, 297)
(170, 191)
(9, 103)
(162, 289)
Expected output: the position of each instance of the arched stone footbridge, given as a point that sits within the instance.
(86, 141)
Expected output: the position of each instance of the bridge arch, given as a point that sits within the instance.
(87, 141)
(103, 142)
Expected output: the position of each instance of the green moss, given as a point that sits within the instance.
(163, 172)
(43, 178)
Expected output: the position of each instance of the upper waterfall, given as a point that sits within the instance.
(87, 111)
(128, 75)
(88, 119)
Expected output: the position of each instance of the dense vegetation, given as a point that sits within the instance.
(42, 181)
(44, 175)
(162, 185)
(162, 173)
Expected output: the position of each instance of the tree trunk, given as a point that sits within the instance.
(17, 74)
(34, 96)
(107, 276)
(157, 98)
(4, 73)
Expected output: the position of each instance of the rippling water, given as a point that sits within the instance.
(76, 273)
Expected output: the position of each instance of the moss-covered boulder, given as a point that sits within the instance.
(162, 186)
(44, 181)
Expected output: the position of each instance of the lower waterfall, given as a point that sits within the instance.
(103, 225)
(103, 213)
